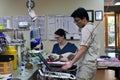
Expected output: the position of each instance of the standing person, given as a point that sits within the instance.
(88, 51)
(62, 46)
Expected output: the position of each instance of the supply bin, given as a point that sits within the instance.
(6, 64)
(10, 50)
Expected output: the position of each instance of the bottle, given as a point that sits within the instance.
(43, 67)
(41, 48)
(11, 50)
(22, 69)
(28, 65)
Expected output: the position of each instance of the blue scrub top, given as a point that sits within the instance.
(69, 47)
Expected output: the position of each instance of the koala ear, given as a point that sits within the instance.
(54, 57)
(51, 57)
(71, 56)
(60, 56)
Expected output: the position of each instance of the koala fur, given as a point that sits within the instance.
(62, 57)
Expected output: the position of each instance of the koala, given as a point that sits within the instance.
(54, 57)
(62, 57)
(66, 56)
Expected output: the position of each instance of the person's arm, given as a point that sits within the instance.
(75, 48)
(78, 55)
(53, 49)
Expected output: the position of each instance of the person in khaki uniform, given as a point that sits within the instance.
(87, 55)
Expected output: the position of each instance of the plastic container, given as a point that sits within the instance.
(6, 64)
(22, 69)
(6, 67)
(6, 77)
(43, 67)
(2, 27)
(12, 51)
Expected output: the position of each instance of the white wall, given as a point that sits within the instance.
(46, 7)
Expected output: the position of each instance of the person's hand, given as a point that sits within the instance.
(66, 66)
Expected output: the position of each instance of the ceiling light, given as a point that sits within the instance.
(117, 3)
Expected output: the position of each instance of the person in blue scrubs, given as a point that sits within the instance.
(62, 46)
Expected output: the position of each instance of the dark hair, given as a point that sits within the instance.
(61, 32)
(81, 13)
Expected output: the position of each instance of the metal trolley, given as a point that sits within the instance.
(52, 73)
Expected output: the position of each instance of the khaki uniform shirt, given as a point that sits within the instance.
(89, 38)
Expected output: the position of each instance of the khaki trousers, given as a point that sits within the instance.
(86, 72)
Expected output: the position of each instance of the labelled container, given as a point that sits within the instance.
(10, 50)
(22, 69)
(6, 64)
(6, 67)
